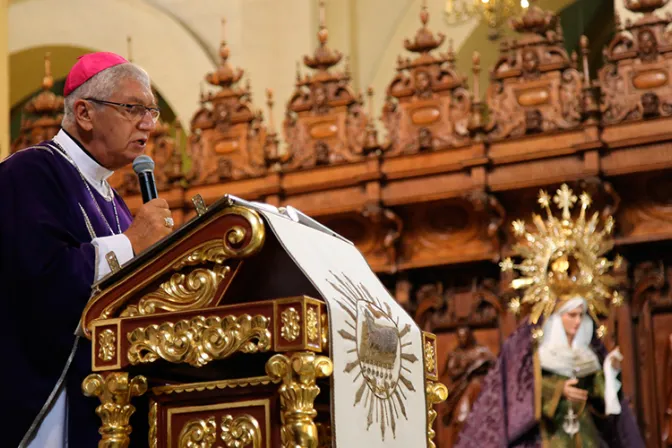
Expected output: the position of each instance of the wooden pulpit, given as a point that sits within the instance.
(228, 342)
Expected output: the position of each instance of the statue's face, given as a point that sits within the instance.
(647, 42)
(571, 320)
(530, 61)
(462, 336)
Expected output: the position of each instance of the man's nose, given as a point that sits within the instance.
(147, 123)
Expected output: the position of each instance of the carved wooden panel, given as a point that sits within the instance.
(652, 306)
(636, 79)
(535, 86)
(376, 231)
(428, 106)
(227, 140)
(646, 211)
(42, 115)
(451, 231)
(325, 123)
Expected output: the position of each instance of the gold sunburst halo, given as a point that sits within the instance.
(380, 356)
(563, 258)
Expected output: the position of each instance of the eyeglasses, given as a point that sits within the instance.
(132, 111)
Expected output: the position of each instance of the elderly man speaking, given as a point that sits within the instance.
(59, 218)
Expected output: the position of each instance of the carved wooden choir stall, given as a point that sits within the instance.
(429, 197)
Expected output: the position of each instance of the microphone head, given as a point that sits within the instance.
(143, 164)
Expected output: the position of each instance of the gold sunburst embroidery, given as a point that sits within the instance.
(380, 355)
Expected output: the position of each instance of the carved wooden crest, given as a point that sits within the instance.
(428, 105)
(325, 122)
(227, 138)
(535, 86)
(42, 115)
(636, 79)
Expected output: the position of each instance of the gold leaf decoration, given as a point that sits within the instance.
(181, 292)
(312, 328)
(199, 433)
(291, 324)
(563, 258)
(107, 345)
(241, 432)
(430, 357)
(199, 340)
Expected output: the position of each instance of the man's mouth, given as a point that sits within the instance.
(142, 142)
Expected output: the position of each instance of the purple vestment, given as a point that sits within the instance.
(503, 414)
(47, 266)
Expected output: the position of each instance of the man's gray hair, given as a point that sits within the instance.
(102, 85)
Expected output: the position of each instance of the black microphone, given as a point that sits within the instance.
(144, 168)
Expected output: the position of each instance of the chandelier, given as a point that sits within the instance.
(494, 13)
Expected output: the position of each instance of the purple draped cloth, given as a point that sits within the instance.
(504, 414)
(47, 266)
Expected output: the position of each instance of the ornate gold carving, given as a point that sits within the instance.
(199, 340)
(436, 393)
(212, 385)
(199, 433)
(107, 345)
(236, 235)
(312, 328)
(430, 357)
(290, 324)
(563, 257)
(213, 251)
(241, 431)
(297, 395)
(181, 292)
(115, 392)
(153, 424)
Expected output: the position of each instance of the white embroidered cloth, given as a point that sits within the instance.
(378, 388)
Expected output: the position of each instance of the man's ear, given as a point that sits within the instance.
(82, 109)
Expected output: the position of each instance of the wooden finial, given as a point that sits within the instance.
(476, 69)
(369, 93)
(48, 80)
(583, 42)
(424, 14)
(223, 35)
(269, 103)
(129, 48)
(323, 14)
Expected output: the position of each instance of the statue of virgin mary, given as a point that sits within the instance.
(554, 384)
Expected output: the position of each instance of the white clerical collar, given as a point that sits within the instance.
(94, 173)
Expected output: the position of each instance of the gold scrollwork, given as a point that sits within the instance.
(241, 431)
(199, 433)
(181, 292)
(213, 251)
(153, 424)
(114, 392)
(436, 393)
(325, 329)
(199, 340)
(291, 324)
(297, 395)
(430, 357)
(312, 328)
(236, 235)
(107, 345)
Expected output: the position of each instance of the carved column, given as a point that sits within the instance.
(114, 391)
(436, 393)
(298, 373)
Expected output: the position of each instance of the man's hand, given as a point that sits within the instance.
(149, 225)
(574, 394)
